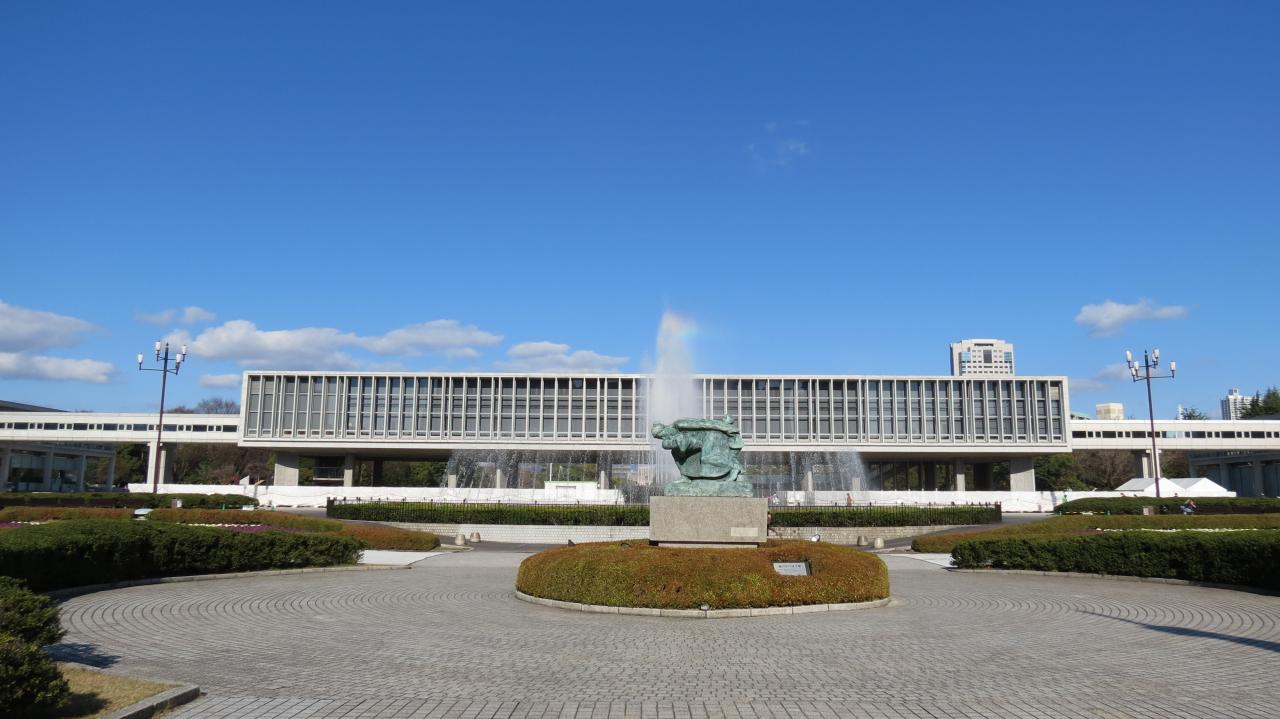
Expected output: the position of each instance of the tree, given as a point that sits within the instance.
(1104, 468)
(1263, 404)
(1057, 472)
(208, 405)
(1193, 413)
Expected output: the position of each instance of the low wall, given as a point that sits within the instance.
(558, 534)
(317, 496)
(1009, 501)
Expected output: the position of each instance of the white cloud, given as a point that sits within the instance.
(22, 329)
(779, 148)
(556, 357)
(1101, 380)
(189, 315)
(325, 347)
(18, 365)
(1086, 385)
(1110, 317)
(221, 381)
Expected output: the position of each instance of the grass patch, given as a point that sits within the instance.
(98, 694)
(1080, 526)
(635, 574)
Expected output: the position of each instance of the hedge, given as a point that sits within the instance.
(78, 552)
(45, 514)
(621, 515)
(31, 617)
(1250, 558)
(1083, 525)
(29, 680)
(121, 499)
(371, 536)
(635, 574)
(1172, 505)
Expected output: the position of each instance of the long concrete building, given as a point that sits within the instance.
(890, 432)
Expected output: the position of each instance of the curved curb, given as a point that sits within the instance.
(1122, 578)
(703, 614)
(180, 694)
(70, 592)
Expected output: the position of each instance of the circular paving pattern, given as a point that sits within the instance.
(448, 638)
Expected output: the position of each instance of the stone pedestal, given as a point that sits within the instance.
(708, 521)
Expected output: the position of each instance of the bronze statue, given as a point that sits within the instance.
(706, 451)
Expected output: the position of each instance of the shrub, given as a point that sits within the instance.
(371, 536)
(1249, 558)
(29, 680)
(121, 499)
(612, 515)
(639, 575)
(28, 616)
(1086, 525)
(884, 516)
(78, 552)
(44, 514)
(1172, 505)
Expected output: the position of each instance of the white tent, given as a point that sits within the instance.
(1171, 486)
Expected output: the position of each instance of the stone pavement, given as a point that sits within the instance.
(448, 639)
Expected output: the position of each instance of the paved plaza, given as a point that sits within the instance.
(447, 638)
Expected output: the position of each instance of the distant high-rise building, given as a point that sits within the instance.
(1234, 404)
(981, 357)
(1109, 410)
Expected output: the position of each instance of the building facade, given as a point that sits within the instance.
(1234, 404)
(1109, 410)
(982, 357)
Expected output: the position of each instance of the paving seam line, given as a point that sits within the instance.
(704, 614)
(1123, 578)
(180, 694)
(70, 592)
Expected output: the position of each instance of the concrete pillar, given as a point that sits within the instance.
(982, 476)
(1224, 476)
(1022, 474)
(959, 470)
(1256, 485)
(46, 479)
(4, 470)
(286, 470)
(165, 458)
(81, 467)
(349, 470)
(499, 479)
(111, 470)
(809, 497)
(453, 481)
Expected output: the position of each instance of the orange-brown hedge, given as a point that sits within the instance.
(1077, 525)
(45, 514)
(634, 574)
(374, 536)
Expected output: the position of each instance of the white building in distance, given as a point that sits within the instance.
(1109, 410)
(1234, 404)
(981, 357)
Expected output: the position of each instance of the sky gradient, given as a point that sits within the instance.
(822, 188)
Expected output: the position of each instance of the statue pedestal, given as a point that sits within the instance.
(708, 521)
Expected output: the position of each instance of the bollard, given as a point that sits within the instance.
(878, 543)
(459, 541)
(475, 537)
(862, 540)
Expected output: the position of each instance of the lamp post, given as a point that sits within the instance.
(162, 356)
(1145, 372)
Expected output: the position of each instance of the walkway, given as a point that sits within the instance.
(447, 639)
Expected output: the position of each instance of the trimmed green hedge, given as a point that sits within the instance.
(26, 615)
(884, 516)
(1250, 558)
(78, 552)
(635, 574)
(624, 515)
(608, 515)
(29, 680)
(122, 499)
(1172, 505)
(1080, 524)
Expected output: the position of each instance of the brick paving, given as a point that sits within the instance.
(448, 639)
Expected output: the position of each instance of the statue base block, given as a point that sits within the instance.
(707, 488)
(708, 521)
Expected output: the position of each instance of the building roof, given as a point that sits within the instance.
(7, 406)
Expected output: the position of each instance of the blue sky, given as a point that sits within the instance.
(821, 188)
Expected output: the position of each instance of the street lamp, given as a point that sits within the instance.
(1145, 372)
(162, 356)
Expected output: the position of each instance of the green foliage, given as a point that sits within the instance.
(1263, 404)
(78, 552)
(1081, 525)
(1192, 413)
(623, 515)
(634, 574)
(610, 515)
(30, 617)
(29, 680)
(1172, 505)
(883, 516)
(121, 499)
(1250, 558)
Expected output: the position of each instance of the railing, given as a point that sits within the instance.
(638, 514)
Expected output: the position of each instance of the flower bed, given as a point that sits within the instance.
(635, 574)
